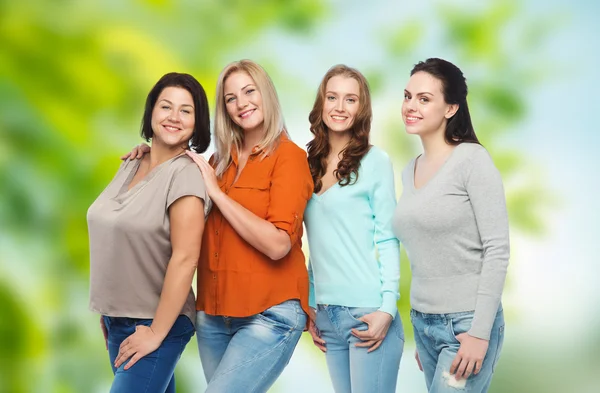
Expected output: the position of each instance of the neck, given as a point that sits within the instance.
(338, 141)
(435, 146)
(160, 153)
(252, 137)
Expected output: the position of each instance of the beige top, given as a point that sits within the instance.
(130, 244)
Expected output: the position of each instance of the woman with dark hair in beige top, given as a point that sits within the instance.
(145, 232)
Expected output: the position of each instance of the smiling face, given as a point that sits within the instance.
(424, 109)
(173, 117)
(243, 101)
(341, 104)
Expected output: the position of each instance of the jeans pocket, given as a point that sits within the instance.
(461, 323)
(358, 312)
(287, 315)
(182, 327)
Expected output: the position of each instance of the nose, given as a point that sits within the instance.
(242, 102)
(339, 105)
(174, 116)
(409, 104)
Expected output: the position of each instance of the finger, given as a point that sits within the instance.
(320, 346)
(362, 334)
(469, 369)
(478, 365)
(124, 345)
(315, 335)
(125, 156)
(455, 364)
(419, 363)
(374, 347)
(366, 344)
(133, 361)
(140, 153)
(460, 372)
(123, 357)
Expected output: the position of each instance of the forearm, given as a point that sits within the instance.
(175, 291)
(259, 233)
(389, 260)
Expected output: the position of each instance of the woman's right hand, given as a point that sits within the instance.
(137, 152)
(314, 332)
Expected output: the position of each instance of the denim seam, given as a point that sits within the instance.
(264, 375)
(259, 356)
(153, 369)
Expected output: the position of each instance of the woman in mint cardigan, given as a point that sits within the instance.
(354, 256)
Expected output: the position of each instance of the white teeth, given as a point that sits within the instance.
(338, 117)
(412, 118)
(171, 128)
(246, 114)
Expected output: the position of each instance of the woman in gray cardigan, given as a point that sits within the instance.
(452, 219)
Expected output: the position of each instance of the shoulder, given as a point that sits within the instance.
(288, 148)
(184, 164)
(471, 151)
(375, 160)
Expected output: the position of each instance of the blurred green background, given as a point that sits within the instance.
(73, 79)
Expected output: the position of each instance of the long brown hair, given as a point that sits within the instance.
(356, 149)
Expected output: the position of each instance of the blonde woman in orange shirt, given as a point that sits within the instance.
(252, 295)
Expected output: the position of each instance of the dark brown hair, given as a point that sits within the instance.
(201, 135)
(459, 127)
(356, 149)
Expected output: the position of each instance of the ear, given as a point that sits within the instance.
(451, 110)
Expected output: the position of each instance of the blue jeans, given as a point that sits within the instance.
(153, 372)
(248, 354)
(435, 336)
(351, 368)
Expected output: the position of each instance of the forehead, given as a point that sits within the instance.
(424, 82)
(237, 80)
(343, 84)
(177, 95)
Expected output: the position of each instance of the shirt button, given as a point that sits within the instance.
(216, 254)
(214, 276)
(216, 232)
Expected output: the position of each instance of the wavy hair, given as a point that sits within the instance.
(319, 148)
(229, 135)
(459, 128)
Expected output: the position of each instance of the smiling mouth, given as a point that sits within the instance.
(412, 119)
(338, 118)
(171, 128)
(247, 114)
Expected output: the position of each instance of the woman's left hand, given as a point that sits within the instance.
(208, 173)
(138, 345)
(379, 322)
(469, 357)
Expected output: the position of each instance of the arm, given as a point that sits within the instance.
(486, 193)
(291, 187)
(484, 186)
(383, 204)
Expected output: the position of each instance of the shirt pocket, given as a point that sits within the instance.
(253, 195)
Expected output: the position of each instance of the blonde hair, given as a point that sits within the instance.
(228, 134)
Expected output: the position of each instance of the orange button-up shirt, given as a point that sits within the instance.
(234, 278)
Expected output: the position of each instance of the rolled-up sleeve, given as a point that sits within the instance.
(291, 188)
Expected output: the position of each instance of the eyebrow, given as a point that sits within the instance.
(243, 88)
(422, 93)
(334, 93)
(164, 99)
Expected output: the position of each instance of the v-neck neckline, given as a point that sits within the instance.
(435, 175)
(321, 195)
(124, 191)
